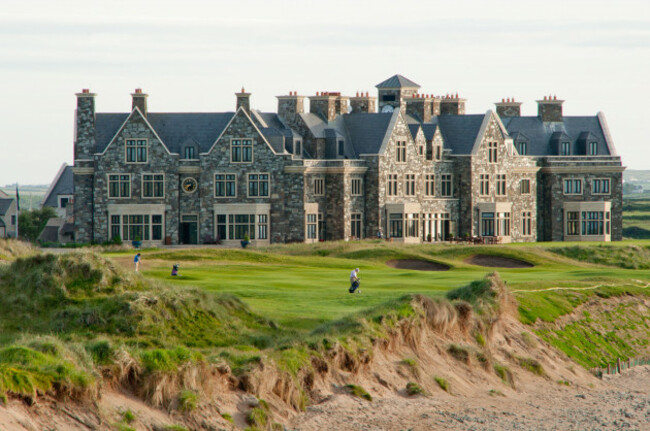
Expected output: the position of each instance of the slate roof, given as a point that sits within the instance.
(397, 81)
(459, 132)
(315, 124)
(367, 131)
(2, 223)
(173, 128)
(64, 186)
(540, 135)
(4, 205)
(413, 128)
(429, 130)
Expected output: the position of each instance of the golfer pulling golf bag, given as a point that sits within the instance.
(355, 286)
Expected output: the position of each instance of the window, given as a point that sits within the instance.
(527, 223)
(119, 186)
(241, 150)
(565, 148)
(395, 225)
(487, 224)
(572, 223)
(258, 185)
(312, 226)
(421, 150)
(438, 152)
(522, 148)
(319, 186)
(341, 148)
(572, 186)
(484, 184)
(446, 189)
(492, 152)
(593, 222)
(189, 153)
(13, 220)
(143, 226)
(63, 202)
(524, 187)
(503, 224)
(298, 148)
(355, 228)
(225, 185)
(136, 151)
(409, 185)
(388, 98)
(241, 225)
(401, 152)
(593, 148)
(356, 187)
(600, 186)
(413, 225)
(153, 185)
(392, 185)
(501, 184)
(430, 185)
(262, 226)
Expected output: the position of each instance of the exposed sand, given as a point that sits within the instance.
(417, 265)
(497, 261)
(620, 403)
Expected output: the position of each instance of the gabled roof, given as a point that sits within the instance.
(63, 184)
(414, 128)
(459, 132)
(560, 136)
(541, 134)
(519, 136)
(5, 204)
(367, 131)
(315, 124)
(173, 128)
(429, 130)
(397, 81)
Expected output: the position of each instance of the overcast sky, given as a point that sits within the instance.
(193, 55)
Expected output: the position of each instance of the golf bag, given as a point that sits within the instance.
(354, 286)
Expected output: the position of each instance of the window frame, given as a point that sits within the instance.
(392, 181)
(522, 145)
(527, 223)
(119, 182)
(356, 219)
(268, 187)
(359, 186)
(493, 152)
(565, 145)
(524, 190)
(136, 146)
(573, 180)
(501, 188)
(153, 185)
(241, 148)
(225, 185)
(318, 186)
(429, 185)
(409, 185)
(604, 181)
(449, 180)
(592, 148)
(484, 185)
(400, 152)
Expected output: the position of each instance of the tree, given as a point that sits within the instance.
(31, 223)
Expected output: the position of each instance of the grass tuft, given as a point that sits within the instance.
(444, 385)
(413, 388)
(359, 392)
(532, 365)
(188, 401)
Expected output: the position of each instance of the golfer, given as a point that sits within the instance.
(354, 280)
(136, 262)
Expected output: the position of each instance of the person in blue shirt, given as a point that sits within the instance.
(136, 262)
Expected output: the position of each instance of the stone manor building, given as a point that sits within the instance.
(329, 167)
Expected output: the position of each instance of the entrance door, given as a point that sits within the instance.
(189, 229)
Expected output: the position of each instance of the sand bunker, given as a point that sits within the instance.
(497, 261)
(417, 265)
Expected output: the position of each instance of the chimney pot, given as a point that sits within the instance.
(85, 90)
(138, 91)
(366, 94)
(554, 97)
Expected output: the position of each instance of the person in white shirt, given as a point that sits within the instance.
(354, 280)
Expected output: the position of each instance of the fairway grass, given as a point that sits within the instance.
(302, 286)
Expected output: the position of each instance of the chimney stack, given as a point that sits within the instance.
(290, 105)
(139, 100)
(84, 139)
(420, 106)
(243, 101)
(452, 105)
(363, 103)
(328, 104)
(508, 108)
(549, 109)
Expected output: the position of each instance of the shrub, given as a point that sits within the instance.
(413, 388)
(128, 416)
(442, 383)
(257, 418)
(532, 365)
(504, 373)
(187, 401)
(459, 353)
(480, 340)
(359, 392)
(227, 417)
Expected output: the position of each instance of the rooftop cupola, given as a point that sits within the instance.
(139, 100)
(508, 108)
(393, 91)
(550, 109)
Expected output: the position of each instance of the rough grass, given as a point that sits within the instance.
(444, 385)
(531, 365)
(358, 392)
(413, 388)
(629, 257)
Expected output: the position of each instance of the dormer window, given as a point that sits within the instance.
(565, 148)
(522, 148)
(189, 153)
(298, 148)
(593, 148)
(241, 150)
(341, 148)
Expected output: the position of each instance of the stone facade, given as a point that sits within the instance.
(423, 172)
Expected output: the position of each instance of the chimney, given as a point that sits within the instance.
(508, 108)
(363, 103)
(324, 105)
(139, 100)
(244, 101)
(420, 106)
(341, 105)
(550, 109)
(290, 105)
(84, 139)
(452, 105)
